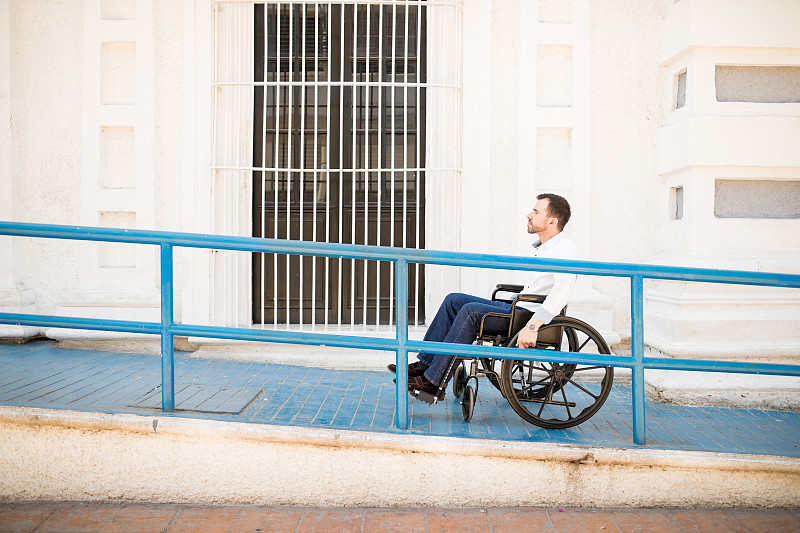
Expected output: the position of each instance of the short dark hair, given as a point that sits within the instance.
(557, 207)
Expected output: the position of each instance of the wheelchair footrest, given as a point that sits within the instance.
(427, 397)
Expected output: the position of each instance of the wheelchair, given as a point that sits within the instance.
(550, 395)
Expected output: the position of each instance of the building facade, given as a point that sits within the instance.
(671, 126)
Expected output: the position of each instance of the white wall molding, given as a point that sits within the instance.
(117, 187)
(196, 179)
(554, 133)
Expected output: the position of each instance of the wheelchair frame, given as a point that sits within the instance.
(547, 394)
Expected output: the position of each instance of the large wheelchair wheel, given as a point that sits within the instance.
(559, 395)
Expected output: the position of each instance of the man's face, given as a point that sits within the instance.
(538, 218)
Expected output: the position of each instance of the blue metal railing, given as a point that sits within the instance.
(401, 344)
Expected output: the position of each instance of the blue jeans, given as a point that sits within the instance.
(458, 321)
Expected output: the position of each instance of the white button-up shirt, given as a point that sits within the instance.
(556, 285)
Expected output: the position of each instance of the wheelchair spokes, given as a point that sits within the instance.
(559, 395)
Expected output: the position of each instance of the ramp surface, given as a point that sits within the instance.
(39, 374)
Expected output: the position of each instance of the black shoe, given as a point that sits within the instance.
(414, 369)
(422, 389)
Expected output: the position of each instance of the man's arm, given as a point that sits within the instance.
(555, 301)
(558, 298)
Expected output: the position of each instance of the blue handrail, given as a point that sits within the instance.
(401, 344)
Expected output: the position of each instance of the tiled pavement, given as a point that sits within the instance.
(41, 375)
(145, 518)
(38, 374)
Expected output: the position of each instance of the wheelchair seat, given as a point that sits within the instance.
(548, 394)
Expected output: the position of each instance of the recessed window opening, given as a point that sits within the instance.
(679, 90)
(767, 198)
(676, 203)
(758, 84)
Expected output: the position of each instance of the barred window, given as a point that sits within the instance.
(340, 149)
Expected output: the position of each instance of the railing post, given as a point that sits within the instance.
(167, 343)
(637, 349)
(401, 359)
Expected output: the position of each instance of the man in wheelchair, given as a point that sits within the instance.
(460, 315)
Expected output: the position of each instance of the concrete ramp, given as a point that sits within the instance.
(64, 455)
(85, 425)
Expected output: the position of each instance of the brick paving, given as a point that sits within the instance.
(63, 517)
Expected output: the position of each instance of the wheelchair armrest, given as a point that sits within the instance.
(506, 287)
(509, 287)
(535, 298)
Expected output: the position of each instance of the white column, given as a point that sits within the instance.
(474, 191)
(196, 185)
(554, 133)
(118, 167)
(443, 145)
(14, 298)
(230, 202)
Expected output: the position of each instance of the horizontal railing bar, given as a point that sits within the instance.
(290, 337)
(306, 338)
(390, 344)
(736, 367)
(367, 252)
(528, 354)
(103, 324)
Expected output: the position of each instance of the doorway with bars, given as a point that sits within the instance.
(337, 122)
(338, 155)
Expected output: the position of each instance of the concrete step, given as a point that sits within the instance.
(64, 455)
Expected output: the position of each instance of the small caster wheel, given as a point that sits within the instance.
(468, 403)
(458, 381)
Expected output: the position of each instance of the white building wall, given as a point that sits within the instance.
(572, 97)
(13, 295)
(98, 143)
(575, 82)
(117, 175)
(625, 115)
(195, 161)
(707, 139)
(40, 180)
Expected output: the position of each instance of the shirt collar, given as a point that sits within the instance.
(552, 241)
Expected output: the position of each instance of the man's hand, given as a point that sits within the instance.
(527, 337)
